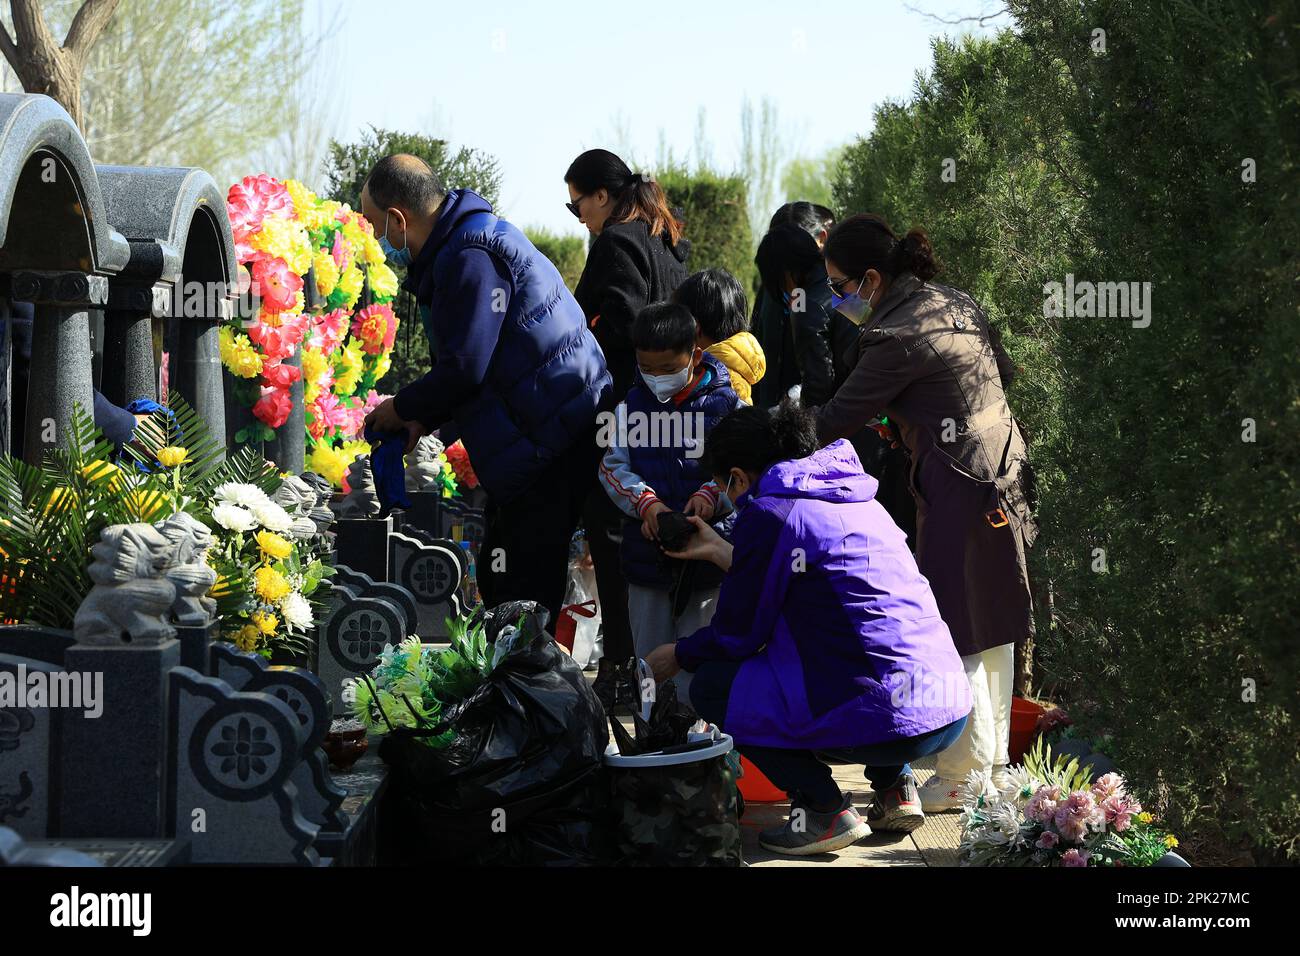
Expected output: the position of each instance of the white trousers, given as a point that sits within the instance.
(652, 623)
(984, 741)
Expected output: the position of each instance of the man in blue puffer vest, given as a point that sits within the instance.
(514, 366)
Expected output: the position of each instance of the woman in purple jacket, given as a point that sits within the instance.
(826, 644)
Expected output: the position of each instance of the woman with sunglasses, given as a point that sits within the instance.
(930, 361)
(637, 258)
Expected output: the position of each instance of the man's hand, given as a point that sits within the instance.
(650, 520)
(705, 545)
(663, 662)
(700, 505)
(384, 418)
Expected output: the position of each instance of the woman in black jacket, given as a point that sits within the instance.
(637, 257)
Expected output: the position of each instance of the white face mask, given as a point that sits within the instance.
(666, 386)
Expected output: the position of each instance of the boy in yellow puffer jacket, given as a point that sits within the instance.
(717, 301)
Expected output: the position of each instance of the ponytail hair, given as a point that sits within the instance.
(865, 242)
(635, 195)
(752, 438)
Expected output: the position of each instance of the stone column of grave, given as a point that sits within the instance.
(129, 370)
(61, 368)
(6, 377)
(196, 373)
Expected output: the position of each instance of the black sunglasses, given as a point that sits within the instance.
(573, 207)
(838, 286)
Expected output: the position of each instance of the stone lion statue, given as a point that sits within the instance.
(132, 596)
(188, 568)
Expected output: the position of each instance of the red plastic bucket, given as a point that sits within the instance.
(1024, 718)
(756, 788)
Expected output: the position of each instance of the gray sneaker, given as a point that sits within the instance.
(808, 832)
(897, 808)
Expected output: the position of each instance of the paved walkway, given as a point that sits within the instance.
(934, 843)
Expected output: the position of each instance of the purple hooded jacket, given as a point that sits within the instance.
(841, 639)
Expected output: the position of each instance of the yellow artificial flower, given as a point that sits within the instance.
(238, 354)
(383, 281)
(248, 638)
(57, 496)
(304, 200)
(270, 584)
(173, 456)
(382, 366)
(266, 622)
(328, 462)
(350, 450)
(147, 504)
(273, 545)
(372, 253)
(1145, 817)
(349, 363)
(1171, 841)
(285, 239)
(314, 365)
(327, 272)
(99, 469)
(350, 283)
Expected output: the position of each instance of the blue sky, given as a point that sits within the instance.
(536, 83)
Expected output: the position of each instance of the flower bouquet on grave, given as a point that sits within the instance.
(1049, 814)
(51, 517)
(286, 236)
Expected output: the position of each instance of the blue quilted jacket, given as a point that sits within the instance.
(515, 366)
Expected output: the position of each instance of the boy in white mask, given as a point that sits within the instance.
(651, 466)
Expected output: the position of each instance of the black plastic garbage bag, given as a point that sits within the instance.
(521, 781)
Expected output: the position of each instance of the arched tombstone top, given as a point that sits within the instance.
(52, 215)
(175, 220)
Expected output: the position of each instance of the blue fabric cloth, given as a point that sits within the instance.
(389, 468)
(516, 367)
(842, 647)
(145, 406)
(668, 469)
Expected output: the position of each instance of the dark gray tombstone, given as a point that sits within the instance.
(366, 586)
(195, 641)
(29, 750)
(57, 251)
(319, 797)
(230, 790)
(432, 570)
(362, 545)
(182, 269)
(355, 630)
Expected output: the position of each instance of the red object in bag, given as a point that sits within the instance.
(566, 628)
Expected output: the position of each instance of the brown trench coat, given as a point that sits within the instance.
(929, 360)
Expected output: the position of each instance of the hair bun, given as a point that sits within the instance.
(916, 255)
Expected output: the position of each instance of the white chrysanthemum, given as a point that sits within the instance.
(976, 785)
(296, 610)
(1006, 818)
(272, 517)
(1018, 785)
(242, 494)
(233, 517)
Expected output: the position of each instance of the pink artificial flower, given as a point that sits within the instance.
(341, 252)
(356, 421)
(328, 331)
(1047, 840)
(1075, 858)
(1120, 809)
(373, 401)
(248, 203)
(1042, 805)
(376, 327)
(328, 412)
(1108, 785)
(273, 407)
(276, 284)
(1076, 815)
(279, 375)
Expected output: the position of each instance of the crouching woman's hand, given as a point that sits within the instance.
(705, 545)
(663, 662)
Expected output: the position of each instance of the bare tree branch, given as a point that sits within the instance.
(8, 47)
(957, 21)
(87, 26)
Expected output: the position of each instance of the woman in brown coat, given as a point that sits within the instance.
(929, 360)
